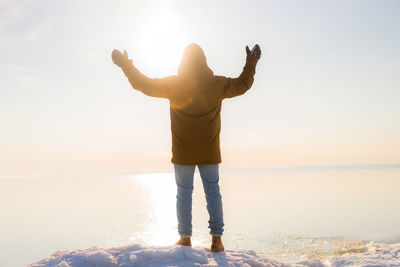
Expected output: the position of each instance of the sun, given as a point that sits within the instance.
(162, 41)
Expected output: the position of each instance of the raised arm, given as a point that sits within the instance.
(156, 87)
(238, 86)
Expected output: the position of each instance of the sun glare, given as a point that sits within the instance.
(162, 40)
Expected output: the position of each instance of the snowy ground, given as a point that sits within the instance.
(137, 255)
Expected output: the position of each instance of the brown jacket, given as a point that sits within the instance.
(195, 96)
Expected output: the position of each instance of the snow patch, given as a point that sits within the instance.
(138, 255)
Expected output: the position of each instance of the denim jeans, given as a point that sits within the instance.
(184, 181)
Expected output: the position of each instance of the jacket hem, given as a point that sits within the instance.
(190, 163)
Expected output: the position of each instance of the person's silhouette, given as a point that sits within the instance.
(195, 96)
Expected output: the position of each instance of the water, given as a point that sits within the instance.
(282, 214)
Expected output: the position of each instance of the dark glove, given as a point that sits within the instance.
(255, 52)
(118, 58)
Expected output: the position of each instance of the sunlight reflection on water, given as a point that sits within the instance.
(160, 227)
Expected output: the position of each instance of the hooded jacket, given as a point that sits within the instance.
(195, 97)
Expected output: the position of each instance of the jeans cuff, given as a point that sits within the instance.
(214, 234)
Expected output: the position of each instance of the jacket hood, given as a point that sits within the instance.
(194, 64)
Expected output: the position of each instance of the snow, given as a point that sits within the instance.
(138, 255)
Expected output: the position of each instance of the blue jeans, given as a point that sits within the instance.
(184, 181)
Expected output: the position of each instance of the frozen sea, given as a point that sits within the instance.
(299, 215)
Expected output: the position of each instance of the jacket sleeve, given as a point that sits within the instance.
(156, 87)
(238, 86)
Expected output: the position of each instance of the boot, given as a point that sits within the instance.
(184, 241)
(216, 245)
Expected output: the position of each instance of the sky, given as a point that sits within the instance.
(326, 90)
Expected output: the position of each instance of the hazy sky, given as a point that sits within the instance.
(326, 91)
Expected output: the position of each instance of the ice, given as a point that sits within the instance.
(373, 254)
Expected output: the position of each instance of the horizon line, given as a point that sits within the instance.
(342, 167)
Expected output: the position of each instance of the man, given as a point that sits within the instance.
(195, 96)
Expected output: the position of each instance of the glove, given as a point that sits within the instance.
(255, 52)
(118, 58)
